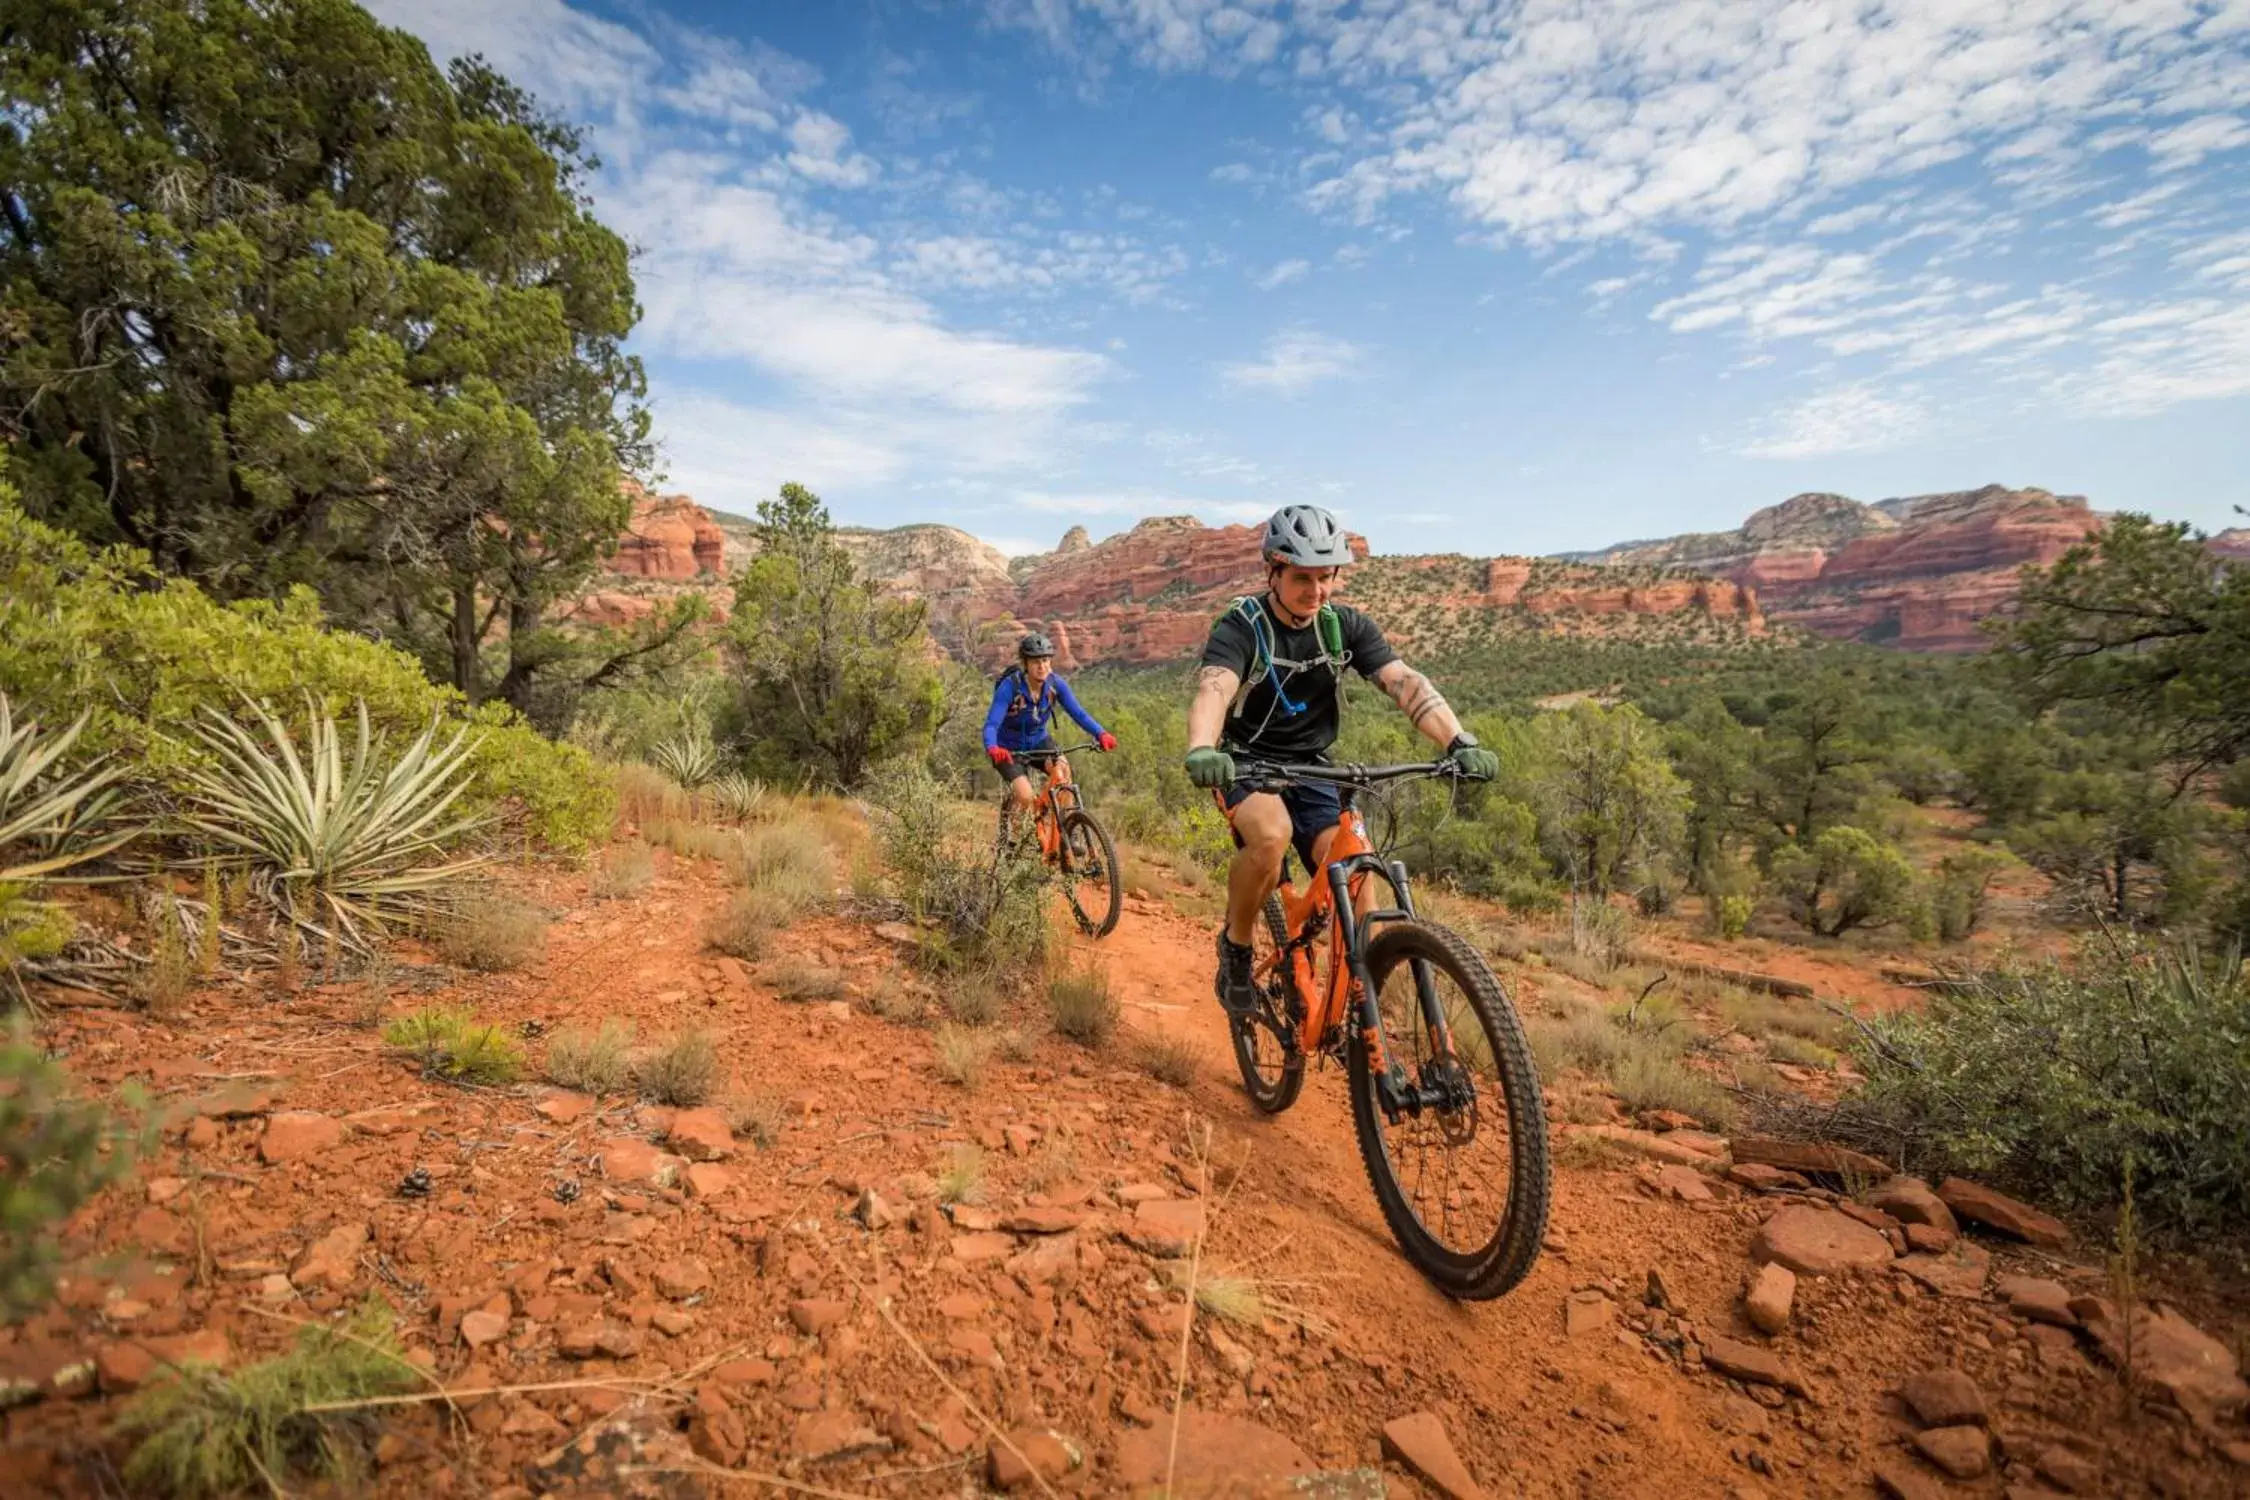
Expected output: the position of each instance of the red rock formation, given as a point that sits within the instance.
(669, 536)
(1920, 573)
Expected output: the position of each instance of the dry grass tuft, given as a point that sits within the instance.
(973, 998)
(596, 1062)
(961, 1179)
(789, 858)
(803, 983)
(1083, 1006)
(962, 1055)
(625, 871)
(1168, 1059)
(680, 1071)
(755, 1117)
(746, 927)
(491, 933)
(646, 795)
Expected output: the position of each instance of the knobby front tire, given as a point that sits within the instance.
(1273, 1070)
(1465, 1191)
(1095, 893)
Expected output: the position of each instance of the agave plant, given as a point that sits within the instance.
(688, 758)
(43, 809)
(736, 797)
(342, 838)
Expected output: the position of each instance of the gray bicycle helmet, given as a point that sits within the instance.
(1035, 644)
(1307, 536)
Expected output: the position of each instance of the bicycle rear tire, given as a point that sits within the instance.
(1479, 1272)
(1095, 900)
(1271, 1087)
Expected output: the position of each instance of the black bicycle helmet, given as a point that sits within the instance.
(1035, 644)
(1306, 536)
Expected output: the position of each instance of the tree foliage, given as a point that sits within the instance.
(1845, 878)
(282, 304)
(835, 675)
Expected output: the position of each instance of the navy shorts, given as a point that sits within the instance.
(1314, 807)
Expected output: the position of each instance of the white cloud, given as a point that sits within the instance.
(1844, 419)
(1281, 275)
(1234, 171)
(821, 150)
(1295, 360)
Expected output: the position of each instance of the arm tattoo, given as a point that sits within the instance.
(1415, 695)
(1217, 681)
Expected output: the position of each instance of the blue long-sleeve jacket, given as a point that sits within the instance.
(1018, 721)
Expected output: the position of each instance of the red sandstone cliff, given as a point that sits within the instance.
(1918, 573)
(669, 536)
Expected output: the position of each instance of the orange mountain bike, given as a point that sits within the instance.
(1072, 843)
(1445, 1096)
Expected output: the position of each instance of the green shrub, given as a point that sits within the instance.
(595, 1062)
(492, 933)
(1964, 884)
(1848, 878)
(144, 657)
(1730, 915)
(986, 911)
(452, 1044)
(56, 1151)
(1082, 1005)
(1584, 1040)
(1650, 1078)
(2051, 1078)
(681, 1071)
(204, 1435)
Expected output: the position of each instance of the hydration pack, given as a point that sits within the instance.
(1265, 666)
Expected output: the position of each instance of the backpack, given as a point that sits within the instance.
(1023, 689)
(1328, 629)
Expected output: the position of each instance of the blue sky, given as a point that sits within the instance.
(1484, 277)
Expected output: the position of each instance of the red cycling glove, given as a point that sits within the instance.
(1108, 741)
(1000, 757)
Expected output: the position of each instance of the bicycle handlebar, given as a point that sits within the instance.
(1263, 775)
(1054, 754)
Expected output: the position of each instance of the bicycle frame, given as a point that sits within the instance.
(1332, 897)
(1048, 804)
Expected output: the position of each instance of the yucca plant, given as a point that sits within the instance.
(687, 757)
(736, 797)
(340, 838)
(44, 814)
(42, 808)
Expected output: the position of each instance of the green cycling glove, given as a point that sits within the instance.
(1209, 767)
(1476, 762)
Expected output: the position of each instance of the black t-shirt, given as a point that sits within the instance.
(1263, 724)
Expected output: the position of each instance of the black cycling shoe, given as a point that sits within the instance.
(1236, 989)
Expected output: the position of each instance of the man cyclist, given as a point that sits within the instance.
(1023, 701)
(1271, 687)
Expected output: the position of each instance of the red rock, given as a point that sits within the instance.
(683, 1278)
(1041, 1221)
(745, 1372)
(2070, 1472)
(1767, 1302)
(973, 1345)
(1981, 1205)
(701, 1135)
(1760, 1178)
(1944, 1398)
(129, 1364)
(874, 1210)
(1166, 1227)
(1032, 1454)
(815, 1315)
(1924, 1239)
(632, 1161)
(1680, 1184)
(987, 1246)
(1418, 1441)
(1667, 1119)
(158, 1230)
(1902, 1483)
(1959, 1272)
(239, 1101)
(1816, 1242)
(834, 1436)
(1215, 1455)
(1587, 1312)
(2195, 1371)
(481, 1327)
(1910, 1200)
(1803, 1156)
(296, 1135)
(1660, 1147)
(333, 1261)
(1164, 1322)
(2037, 1298)
(672, 1322)
(669, 536)
(708, 1180)
(1747, 1363)
(1963, 1452)
(564, 1108)
(962, 1306)
(1133, 1193)
(1051, 1259)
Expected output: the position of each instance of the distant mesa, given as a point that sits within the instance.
(1918, 573)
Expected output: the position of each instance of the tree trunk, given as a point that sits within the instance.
(463, 637)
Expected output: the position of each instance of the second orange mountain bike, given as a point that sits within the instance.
(1445, 1096)
(1074, 845)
